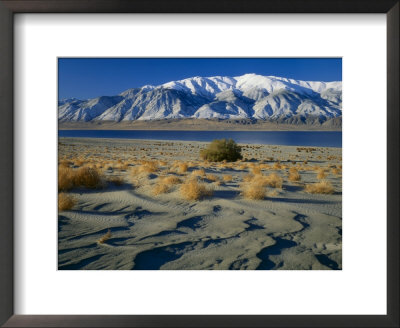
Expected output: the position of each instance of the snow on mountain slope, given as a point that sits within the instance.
(246, 96)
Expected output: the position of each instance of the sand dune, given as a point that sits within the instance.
(289, 229)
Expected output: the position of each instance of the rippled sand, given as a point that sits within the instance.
(289, 230)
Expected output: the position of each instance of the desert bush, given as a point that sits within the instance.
(199, 173)
(65, 162)
(277, 166)
(223, 149)
(294, 175)
(193, 190)
(321, 174)
(273, 180)
(65, 202)
(65, 178)
(88, 177)
(118, 181)
(212, 177)
(227, 177)
(182, 167)
(160, 188)
(79, 162)
(256, 170)
(322, 187)
(148, 167)
(243, 167)
(171, 180)
(248, 177)
(253, 190)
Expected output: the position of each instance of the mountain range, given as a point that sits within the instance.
(249, 96)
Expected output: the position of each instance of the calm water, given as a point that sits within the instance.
(286, 138)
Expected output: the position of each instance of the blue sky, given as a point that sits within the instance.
(85, 78)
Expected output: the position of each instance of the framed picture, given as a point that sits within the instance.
(186, 156)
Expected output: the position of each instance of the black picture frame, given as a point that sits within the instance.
(10, 7)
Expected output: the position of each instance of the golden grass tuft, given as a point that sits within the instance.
(65, 202)
(160, 188)
(335, 171)
(321, 174)
(104, 238)
(115, 180)
(253, 190)
(277, 166)
(193, 190)
(273, 180)
(199, 173)
(256, 170)
(227, 177)
(79, 162)
(322, 187)
(294, 175)
(212, 177)
(88, 177)
(148, 167)
(171, 180)
(183, 167)
(65, 178)
(248, 177)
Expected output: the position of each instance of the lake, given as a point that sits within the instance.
(284, 138)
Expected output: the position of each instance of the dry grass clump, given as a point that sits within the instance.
(104, 238)
(335, 171)
(79, 162)
(322, 187)
(148, 167)
(88, 177)
(277, 166)
(294, 175)
(273, 180)
(65, 178)
(183, 167)
(321, 174)
(256, 170)
(265, 166)
(253, 190)
(193, 190)
(160, 188)
(199, 173)
(65, 202)
(118, 181)
(122, 166)
(65, 163)
(248, 177)
(227, 177)
(212, 177)
(273, 193)
(171, 180)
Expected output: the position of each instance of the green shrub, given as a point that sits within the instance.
(220, 150)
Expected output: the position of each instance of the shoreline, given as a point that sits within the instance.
(89, 139)
(200, 125)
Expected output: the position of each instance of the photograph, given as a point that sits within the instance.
(199, 163)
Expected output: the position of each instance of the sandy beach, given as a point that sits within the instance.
(142, 215)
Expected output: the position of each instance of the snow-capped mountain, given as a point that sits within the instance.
(246, 96)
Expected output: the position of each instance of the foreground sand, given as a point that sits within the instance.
(289, 229)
